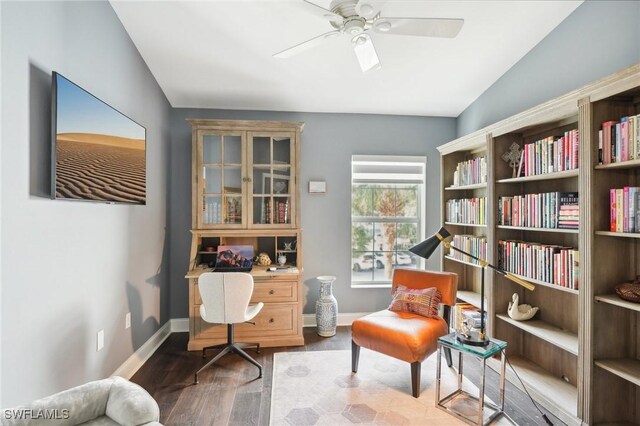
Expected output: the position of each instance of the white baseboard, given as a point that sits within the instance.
(148, 348)
(181, 325)
(309, 320)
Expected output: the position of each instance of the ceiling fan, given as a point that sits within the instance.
(358, 18)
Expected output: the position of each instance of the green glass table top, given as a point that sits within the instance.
(493, 347)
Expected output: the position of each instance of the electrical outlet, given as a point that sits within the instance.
(100, 342)
(127, 320)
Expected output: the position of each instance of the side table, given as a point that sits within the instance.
(482, 353)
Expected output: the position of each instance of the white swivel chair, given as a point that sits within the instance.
(225, 300)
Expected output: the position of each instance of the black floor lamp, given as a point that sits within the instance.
(426, 248)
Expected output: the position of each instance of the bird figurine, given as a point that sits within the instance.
(520, 312)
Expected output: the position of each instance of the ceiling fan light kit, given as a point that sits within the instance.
(356, 17)
(365, 52)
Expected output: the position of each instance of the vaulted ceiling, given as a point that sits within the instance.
(219, 54)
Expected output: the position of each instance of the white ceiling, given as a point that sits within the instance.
(218, 54)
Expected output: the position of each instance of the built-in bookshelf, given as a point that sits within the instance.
(579, 356)
(613, 256)
(549, 341)
(464, 185)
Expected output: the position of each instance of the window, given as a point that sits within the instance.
(387, 216)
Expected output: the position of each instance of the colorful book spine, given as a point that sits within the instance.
(468, 211)
(620, 140)
(552, 154)
(624, 209)
(474, 245)
(548, 263)
(470, 172)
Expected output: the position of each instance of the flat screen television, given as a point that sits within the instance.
(98, 153)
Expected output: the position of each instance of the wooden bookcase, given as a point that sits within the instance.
(245, 191)
(580, 355)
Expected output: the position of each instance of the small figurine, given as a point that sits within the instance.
(282, 259)
(263, 259)
(520, 312)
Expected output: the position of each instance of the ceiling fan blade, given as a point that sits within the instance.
(422, 27)
(369, 8)
(305, 45)
(365, 52)
(320, 11)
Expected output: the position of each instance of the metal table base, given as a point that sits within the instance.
(447, 403)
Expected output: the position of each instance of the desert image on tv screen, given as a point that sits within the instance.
(100, 153)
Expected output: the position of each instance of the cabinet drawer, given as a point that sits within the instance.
(265, 291)
(273, 320)
(275, 291)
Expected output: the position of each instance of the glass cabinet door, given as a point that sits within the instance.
(272, 159)
(220, 182)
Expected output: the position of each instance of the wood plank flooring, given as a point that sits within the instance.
(231, 394)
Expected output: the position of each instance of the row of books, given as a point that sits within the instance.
(625, 209)
(549, 263)
(468, 210)
(470, 172)
(549, 155)
(214, 213)
(280, 212)
(472, 244)
(545, 210)
(619, 140)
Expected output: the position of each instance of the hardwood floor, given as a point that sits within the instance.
(230, 392)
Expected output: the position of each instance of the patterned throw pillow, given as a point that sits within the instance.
(416, 301)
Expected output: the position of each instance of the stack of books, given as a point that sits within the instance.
(569, 212)
(466, 313)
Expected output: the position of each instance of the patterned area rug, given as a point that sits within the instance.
(318, 388)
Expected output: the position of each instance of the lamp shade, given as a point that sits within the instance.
(426, 248)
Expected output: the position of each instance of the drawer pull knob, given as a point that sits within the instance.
(271, 320)
(272, 291)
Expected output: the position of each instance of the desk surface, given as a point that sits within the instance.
(257, 272)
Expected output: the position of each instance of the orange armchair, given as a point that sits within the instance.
(406, 336)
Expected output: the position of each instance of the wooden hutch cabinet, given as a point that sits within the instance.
(245, 191)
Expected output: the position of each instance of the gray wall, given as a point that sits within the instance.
(70, 269)
(597, 39)
(328, 141)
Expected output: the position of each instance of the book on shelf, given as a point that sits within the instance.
(549, 263)
(469, 210)
(466, 313)
(551, 154)
(619, 140)
(551, 210)
(624, 209)
(470, 172)
(474, 245)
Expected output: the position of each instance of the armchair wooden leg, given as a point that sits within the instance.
(355, 356)
(447, 356)
(415, 378)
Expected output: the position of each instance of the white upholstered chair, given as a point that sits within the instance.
(225, 300)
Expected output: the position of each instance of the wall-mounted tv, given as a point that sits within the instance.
(98, 153)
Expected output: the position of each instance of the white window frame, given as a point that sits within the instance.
(380, 169)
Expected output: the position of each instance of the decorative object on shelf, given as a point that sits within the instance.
(288, 246)
(513, 157)
(426, 248)
(282, 259)
(263, 259)
(326, 307)
(317, 187)
(209, 249)
(520, 312)
(629, 291)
